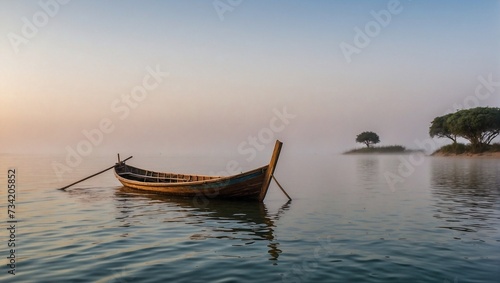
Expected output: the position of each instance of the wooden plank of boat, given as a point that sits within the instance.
(270, 170)
(251, 185)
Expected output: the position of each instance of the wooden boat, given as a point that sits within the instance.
(251, 185)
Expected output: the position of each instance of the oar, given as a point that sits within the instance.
(100, 172)
(289, 198)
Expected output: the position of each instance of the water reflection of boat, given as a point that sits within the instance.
(244, 222)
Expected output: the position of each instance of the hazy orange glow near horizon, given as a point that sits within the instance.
(185, 76)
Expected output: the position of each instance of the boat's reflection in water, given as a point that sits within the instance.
(244, 222)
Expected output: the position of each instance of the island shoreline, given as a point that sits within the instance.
(468, 155)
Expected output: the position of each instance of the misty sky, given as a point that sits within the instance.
(206, 75)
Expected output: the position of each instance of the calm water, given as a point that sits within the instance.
(438, 222)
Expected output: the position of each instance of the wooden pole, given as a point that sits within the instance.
(100, 172)
(270, 170)
(289, 198)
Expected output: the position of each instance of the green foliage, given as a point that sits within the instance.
(456, 148)
(368, 138)
(495, 147)
(439, 128)
(478, 125)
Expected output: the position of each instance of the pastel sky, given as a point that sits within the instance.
(66, 67)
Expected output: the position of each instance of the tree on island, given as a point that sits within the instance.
(439, 128)
(368, 138)
(478, 125)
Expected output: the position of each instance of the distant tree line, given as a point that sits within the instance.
(477, 125)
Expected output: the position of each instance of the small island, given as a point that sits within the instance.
(370, 139)
(480, 126)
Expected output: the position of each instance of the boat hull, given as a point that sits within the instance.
(247, 185)
(251, 185)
